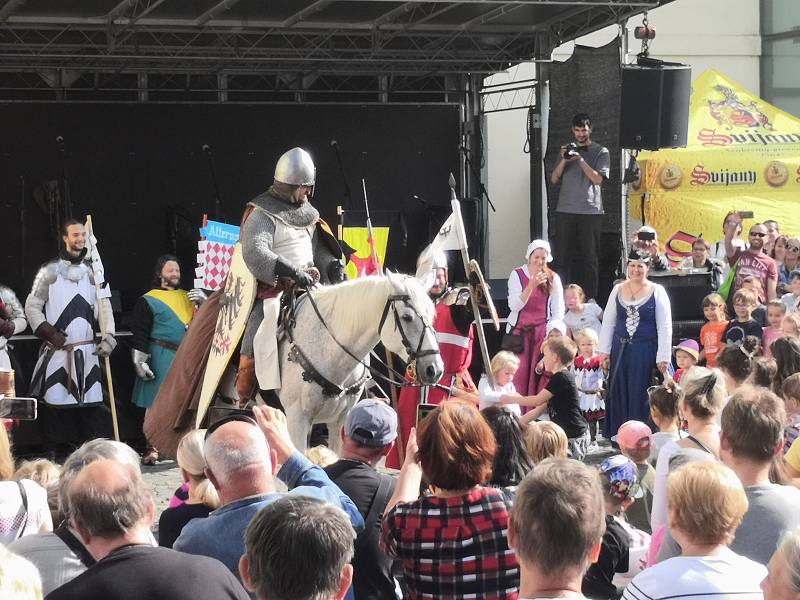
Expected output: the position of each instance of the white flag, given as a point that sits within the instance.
(447, 238)
(99, 271)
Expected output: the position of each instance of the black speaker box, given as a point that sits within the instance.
(654, 106)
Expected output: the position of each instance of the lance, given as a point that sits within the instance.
(102, 322)
(462, 243)
(375, 265)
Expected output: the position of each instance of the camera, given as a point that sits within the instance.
(646, 236)
(571, 150)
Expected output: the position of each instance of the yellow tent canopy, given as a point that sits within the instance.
(742, 154)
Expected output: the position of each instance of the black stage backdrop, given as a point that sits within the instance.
(141, 171)
(590, 81)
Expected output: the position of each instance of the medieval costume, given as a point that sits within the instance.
(62, 310)
(456, 337)
(12, 320)
(284, 243)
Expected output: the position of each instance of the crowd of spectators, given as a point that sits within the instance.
(589, 467)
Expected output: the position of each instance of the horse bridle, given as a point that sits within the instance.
(413, 354)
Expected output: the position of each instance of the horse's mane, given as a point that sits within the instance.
(351, 301)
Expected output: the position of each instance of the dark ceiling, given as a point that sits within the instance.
(295, 45)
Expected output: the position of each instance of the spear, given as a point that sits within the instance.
(99, 294)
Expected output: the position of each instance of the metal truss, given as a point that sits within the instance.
(379, 50)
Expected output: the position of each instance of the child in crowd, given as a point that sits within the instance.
(791, 324)
(711, 332)
(47, 475)
(753, 283)
(560, 397)
(555, 329)
(545, 439)
(763, 372)
(792, 298)
(580, 314)
(635, 440)
(623, 548)
(744, 303)
(687, 353)
(791, 397)
(589, 378)
(663, 401)
(504, 365)
(776, 310)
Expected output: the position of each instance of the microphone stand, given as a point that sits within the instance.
(67, 206)
(22, 226)
(217, 201)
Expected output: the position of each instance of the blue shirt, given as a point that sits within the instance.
(221, 534)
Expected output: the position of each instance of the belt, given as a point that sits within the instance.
(164, 344)
(70, 350)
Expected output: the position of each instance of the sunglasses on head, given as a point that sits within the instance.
(757, 234)
(239, 415)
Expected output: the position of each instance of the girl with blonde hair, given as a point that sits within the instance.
(203, 497)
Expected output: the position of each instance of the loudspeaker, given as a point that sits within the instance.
(654, 106)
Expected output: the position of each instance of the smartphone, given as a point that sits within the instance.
(646, 236)
(423, 410)
(20, 409)
(746, 214)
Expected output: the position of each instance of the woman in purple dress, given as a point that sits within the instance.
(535, 296)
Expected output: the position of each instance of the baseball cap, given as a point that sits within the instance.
(372, 423)
(635, 435)
(622, 477)
(691, 347)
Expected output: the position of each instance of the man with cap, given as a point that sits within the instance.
(284, 244)
(456, 337)
(368, 435)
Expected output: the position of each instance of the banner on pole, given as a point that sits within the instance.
(215, 252)
(361, 262)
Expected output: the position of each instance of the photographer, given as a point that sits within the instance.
(645, 242)
(583, 167)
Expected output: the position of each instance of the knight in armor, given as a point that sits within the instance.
(12, 320)
(63, 310)
(284, 244)
(456, 336)
(159, 322)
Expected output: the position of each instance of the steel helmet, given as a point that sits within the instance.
(295, 167)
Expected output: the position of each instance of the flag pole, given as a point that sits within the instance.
(102, 321)
(462, 243)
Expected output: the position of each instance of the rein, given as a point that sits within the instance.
(413, 354)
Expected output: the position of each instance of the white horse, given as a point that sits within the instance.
(321, 358)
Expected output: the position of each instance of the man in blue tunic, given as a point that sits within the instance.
(160, 320)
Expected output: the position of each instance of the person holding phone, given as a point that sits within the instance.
(645, 241)
(753, 261)
(583, 167)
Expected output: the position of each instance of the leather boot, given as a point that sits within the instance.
(246, 379)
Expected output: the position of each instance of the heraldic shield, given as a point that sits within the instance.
(235, 306)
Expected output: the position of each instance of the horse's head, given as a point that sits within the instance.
(406, 327)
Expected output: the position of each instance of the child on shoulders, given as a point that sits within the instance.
(503, 366)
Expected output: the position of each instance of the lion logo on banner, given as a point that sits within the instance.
(731, 112)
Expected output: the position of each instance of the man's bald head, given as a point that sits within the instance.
(236, 446)
(108, 498)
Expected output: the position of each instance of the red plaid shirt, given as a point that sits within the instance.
(454, 547)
